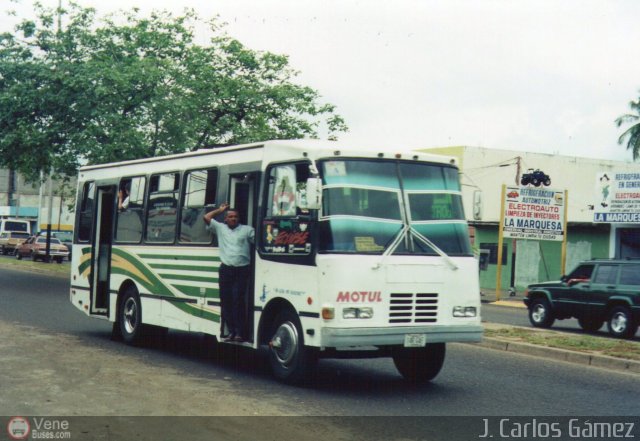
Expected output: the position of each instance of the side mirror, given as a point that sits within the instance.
(312, 198)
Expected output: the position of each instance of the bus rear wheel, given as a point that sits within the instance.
(291, 362)
(130, 317)
(420, 365)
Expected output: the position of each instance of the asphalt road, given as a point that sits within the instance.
(474, 381)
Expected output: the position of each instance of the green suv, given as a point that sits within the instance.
(596, 291)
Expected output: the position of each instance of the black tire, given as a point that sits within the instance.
(535, 182)
(547, 182)
(59, 259)
(291, 362)
(590, 324)
(33, 256)
(540, 313)
(524, 181)
(18, 255)
(621, 323)
(4, 251)
(130, 317)
(420, 365)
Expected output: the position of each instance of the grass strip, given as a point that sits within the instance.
(626, 349)
(52, 268)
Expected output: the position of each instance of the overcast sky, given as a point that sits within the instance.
(544, 76)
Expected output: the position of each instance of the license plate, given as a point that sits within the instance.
(415, 340)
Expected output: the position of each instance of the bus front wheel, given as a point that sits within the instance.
(130, 317)
(291, 362)
(419, 365)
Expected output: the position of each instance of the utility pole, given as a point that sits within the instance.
(40, 199)
(50, 215)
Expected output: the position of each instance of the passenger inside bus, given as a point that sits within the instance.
(123, 196)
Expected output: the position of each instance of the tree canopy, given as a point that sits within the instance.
(631, 136)
(126, 86)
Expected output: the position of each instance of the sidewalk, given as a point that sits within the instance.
(506, 298)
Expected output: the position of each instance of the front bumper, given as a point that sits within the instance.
(345, 337)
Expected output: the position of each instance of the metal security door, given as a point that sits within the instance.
(101, 259)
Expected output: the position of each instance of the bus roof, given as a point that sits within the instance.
(282, 150)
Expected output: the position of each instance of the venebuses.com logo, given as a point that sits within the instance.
(18, 428)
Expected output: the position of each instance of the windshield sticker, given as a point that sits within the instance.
(366, 244)
(335, 168)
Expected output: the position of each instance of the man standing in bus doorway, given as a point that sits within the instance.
(235, 242)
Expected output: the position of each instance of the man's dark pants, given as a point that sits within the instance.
(233, 281)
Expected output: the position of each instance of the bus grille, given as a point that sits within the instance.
(413, 308)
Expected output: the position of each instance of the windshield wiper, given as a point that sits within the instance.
(434, 247)
(409, 230)
(391, 248)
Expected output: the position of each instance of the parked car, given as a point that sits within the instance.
(36, 248)
(9, 241)
(66, 237)
(597, 291)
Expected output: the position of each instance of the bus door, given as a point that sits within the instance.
(105, 211)
(242, 196)
(243, 190)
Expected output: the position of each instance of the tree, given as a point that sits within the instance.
(127, 87)
(631, 136)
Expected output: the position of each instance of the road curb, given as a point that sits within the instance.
(595, 360)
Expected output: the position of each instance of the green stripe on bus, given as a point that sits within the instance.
(152, 283)
(181, 257)
(181, 267)
(194, 291)
(189, 278)
(191, 310)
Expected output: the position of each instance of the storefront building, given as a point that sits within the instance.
(483, 173)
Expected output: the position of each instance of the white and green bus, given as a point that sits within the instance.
(358, 253)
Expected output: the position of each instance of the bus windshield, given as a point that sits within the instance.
(367, 204)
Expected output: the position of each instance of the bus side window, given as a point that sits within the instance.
(130, 220)
(162, 211)
(85, 219)
(199, 197)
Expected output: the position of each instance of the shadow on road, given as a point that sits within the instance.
(370, 376)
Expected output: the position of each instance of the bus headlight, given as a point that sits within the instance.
(357, 313)
(465, 311)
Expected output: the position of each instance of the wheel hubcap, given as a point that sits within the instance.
(619, 322)
(285, 343)
(538, 313)
(130, 315)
